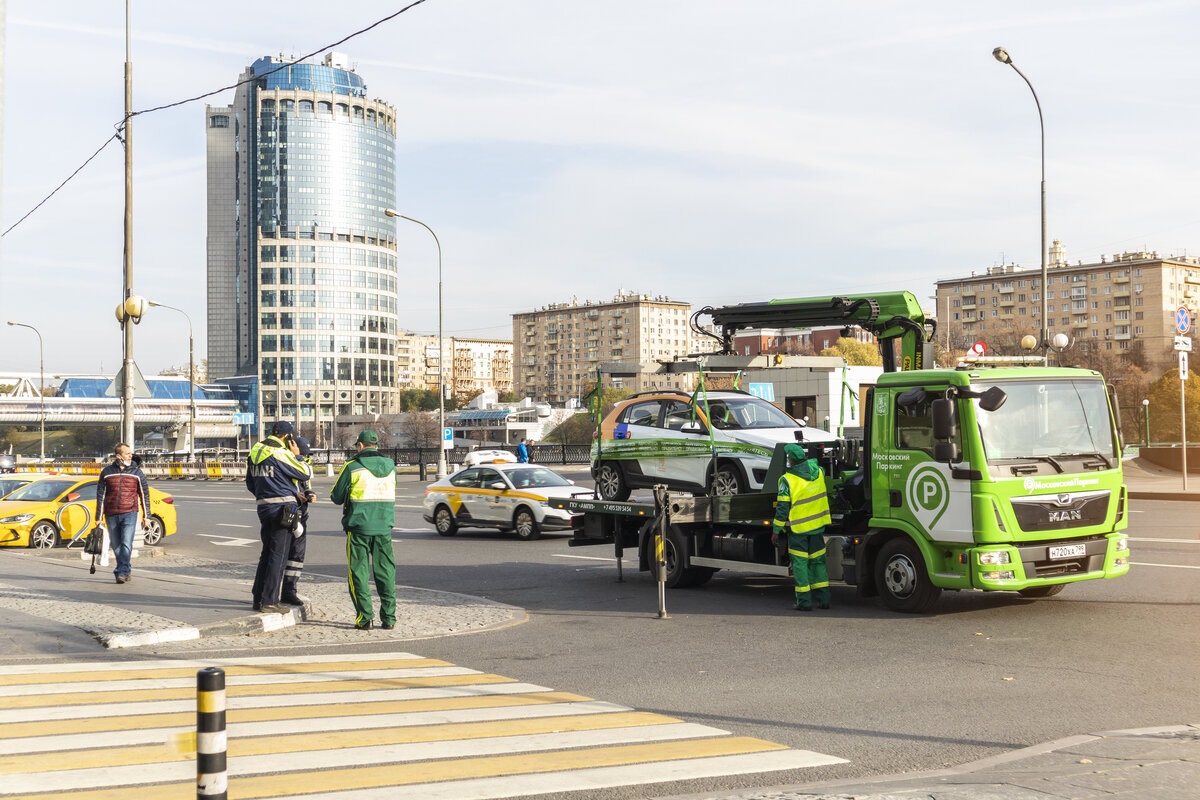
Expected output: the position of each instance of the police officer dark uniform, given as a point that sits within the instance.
(273, 473)
(299, 540)
(802, 510)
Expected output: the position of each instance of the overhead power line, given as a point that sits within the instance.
(120, 126)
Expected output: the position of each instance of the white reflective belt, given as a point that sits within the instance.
(262, 501)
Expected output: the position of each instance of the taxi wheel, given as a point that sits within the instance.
(154, 531)
(525, 525)
(443, 520)
(610, 483)
(43, 536)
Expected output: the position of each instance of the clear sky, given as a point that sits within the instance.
(713, 152)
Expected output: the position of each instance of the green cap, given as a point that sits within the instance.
(795, 453)
(367, 437)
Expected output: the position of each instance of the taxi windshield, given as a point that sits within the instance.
(8, 484)
(1047, 419)
(531, 477)
(39, 491)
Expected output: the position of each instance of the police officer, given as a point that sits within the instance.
(802, 509)
(273, 473)
(299, 540)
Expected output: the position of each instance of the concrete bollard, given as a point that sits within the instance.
(212, 778)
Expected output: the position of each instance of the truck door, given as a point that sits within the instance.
(920, 489)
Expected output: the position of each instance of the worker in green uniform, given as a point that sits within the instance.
(366, 490)
(802, 510)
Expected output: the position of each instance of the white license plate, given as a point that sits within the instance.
(1068, 551)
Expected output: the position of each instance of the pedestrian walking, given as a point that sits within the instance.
(123, 505)
(522, 452)
(299, 541)
(273, 475)
(366, 490)
(802, 510)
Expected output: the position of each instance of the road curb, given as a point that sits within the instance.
(241, 626)
(1137, 495)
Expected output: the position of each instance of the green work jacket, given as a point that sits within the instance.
(366, 491)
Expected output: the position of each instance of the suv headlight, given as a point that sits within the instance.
(995, 557)
(17, 518)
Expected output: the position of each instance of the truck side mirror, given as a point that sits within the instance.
(992, 399)
(943, 419)
(946, 452)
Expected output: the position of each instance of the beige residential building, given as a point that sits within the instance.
(474, 364)
(1121, 303)
(558, 347)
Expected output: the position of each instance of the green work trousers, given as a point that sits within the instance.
(808, 568)
(372, 553)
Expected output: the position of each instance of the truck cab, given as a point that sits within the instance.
(986, 478)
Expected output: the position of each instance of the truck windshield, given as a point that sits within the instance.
(1047, 420)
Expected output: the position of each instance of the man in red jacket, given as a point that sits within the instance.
(122, 495)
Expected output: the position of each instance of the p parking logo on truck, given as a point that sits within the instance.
(928, 494)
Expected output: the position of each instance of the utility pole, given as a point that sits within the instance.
(127, 431)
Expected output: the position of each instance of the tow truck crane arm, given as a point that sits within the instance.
(886, 315)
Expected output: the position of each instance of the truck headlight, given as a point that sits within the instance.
(993, 557)
(1007, 575)
(17, 518)
(1122, 545)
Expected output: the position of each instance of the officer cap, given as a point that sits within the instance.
(304, 445)
(282, 428)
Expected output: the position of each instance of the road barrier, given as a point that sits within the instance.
(212, 777)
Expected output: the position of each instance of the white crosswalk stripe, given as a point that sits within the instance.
(344, 728)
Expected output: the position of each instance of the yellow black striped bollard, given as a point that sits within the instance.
(212, 780)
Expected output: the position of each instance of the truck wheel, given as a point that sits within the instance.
(443, 520)
(525, 525)
(1042, 591)
(727, 481)
(675, 554)
(610, 483)
(901, 577)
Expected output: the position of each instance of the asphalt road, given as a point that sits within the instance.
(981, 675)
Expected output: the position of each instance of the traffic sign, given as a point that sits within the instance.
(1183, 343)
(1183, 319)
(979, 348)
(243, 419)
(447, 438)
(764, 391)
(1183, 368)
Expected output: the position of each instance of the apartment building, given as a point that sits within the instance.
(473, 364)
(558, 347)
(799, 341)
(1120, 304)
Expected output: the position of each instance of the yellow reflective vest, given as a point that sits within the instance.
(809, 503)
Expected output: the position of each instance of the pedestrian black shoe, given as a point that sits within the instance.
(387, 626)
(802, 608)
(279, 609)
(364, 627)
(823, 606)
(292, 600)
(258, 605)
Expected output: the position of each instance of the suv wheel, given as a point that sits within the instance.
(727, 481)
(610, 482)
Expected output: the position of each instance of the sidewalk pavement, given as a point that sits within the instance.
(1148, 481)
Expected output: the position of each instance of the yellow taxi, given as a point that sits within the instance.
(50, 509)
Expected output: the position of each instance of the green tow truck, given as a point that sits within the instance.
(989, 476)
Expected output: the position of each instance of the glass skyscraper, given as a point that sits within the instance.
(302, 268)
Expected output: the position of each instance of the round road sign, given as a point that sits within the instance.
(1183, 319)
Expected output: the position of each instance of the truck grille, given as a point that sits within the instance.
(1059, 511)
(1037, 562)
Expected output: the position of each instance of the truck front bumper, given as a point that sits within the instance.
(1025, 565)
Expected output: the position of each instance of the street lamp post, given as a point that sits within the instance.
(1001, 55)
(441, 469)
(191, 379)
(41, 382)
(1146, 419)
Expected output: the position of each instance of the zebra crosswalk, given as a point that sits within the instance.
(338, 727)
